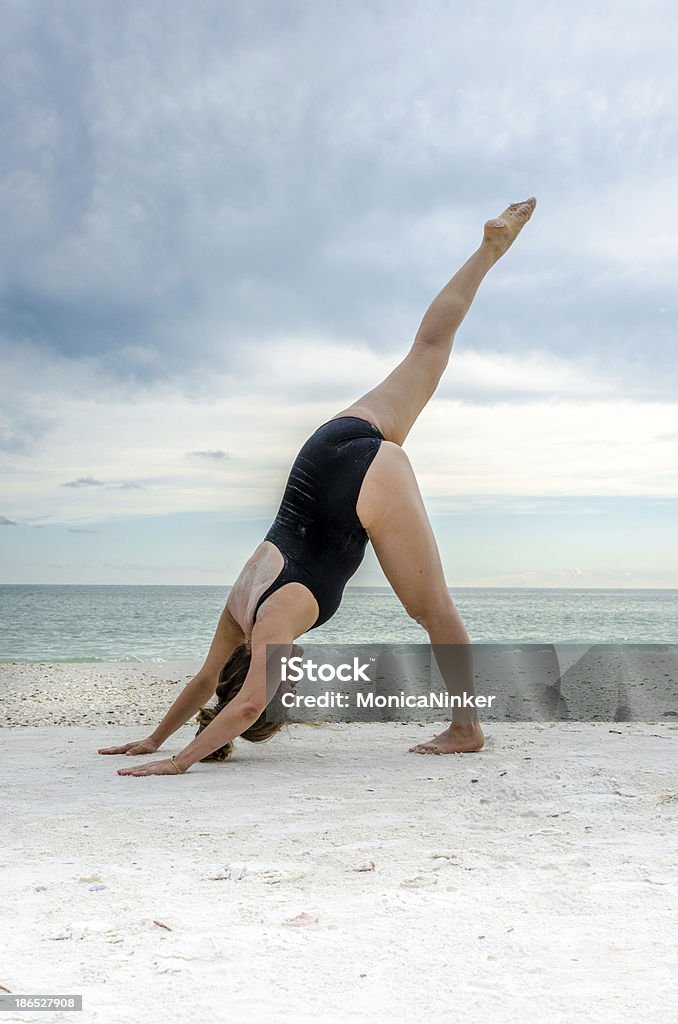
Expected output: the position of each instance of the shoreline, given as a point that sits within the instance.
(590, 690)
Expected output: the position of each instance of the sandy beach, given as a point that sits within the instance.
(329, 875)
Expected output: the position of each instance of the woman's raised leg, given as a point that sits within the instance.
(390, 506)
(395, 403)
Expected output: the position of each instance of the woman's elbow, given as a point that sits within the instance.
(251, 708)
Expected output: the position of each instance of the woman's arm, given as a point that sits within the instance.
(227, 637)
(201, 688)
(249, 704)
(238, 714)
(195, 694)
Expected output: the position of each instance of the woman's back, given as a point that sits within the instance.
(316, 539)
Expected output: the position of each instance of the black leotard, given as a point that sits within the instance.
(317, 529)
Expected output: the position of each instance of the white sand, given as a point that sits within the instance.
(543, 890)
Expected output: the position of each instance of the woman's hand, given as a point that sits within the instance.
(147, 746)
(151, 768)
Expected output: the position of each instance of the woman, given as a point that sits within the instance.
(350, 481)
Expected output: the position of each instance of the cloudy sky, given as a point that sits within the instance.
(223, 221)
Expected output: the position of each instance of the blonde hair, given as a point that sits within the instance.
(231, 679)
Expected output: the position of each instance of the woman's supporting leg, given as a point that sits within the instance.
(391, 509)
(395, 404)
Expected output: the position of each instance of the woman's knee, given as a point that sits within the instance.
(435, 611)
(442, 621)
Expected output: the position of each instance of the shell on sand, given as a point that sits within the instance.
(419, 881)
(300, 920)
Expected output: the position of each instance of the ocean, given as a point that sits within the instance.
(159, 623)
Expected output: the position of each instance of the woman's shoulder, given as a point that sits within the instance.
(259, 570)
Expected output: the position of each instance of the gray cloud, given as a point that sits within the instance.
(84, 481)
(4, 521)
(309, 170)
(77, 529)
(190, 193)
(216, 456)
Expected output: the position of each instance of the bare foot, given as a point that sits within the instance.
(456, 739)
(501, 232)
